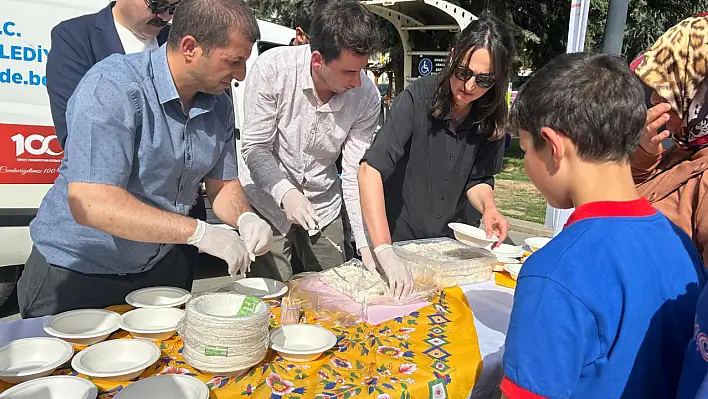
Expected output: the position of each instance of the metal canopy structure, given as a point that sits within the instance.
(420, 15)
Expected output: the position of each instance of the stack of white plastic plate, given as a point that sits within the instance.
(55, 387)
(158, 297)
(166, 386)
(26, 359)
(83, 327)
(116, 360)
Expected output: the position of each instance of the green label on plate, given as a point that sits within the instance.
(249, 306)
(216, 351)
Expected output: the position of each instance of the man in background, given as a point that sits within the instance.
(122, 27)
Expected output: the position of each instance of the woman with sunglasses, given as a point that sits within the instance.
(441, 146)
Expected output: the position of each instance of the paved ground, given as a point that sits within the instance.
(211, 275)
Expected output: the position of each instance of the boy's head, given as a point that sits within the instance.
(578, 111)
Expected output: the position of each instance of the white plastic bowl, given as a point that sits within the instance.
(264, 288)
(536, 243)
(84, 326)
(153, 324)
(26, 359)
(513, 269)
(116, 360)
(166, 386)
(301, 342)
(54, 387)
(158, 297)
(471, 235)
(507, 251)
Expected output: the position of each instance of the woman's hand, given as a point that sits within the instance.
(651, 139)
(495, 224)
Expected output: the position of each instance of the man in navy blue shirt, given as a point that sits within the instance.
(144, 130)
(605, 310)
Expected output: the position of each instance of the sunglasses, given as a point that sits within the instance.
(483, 80)
(161, 6)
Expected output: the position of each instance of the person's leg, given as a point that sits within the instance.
(322, 251)
(45, 290)
(190, 251)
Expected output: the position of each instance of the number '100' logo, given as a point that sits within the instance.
(26, 144)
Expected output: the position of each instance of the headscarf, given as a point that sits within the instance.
(676, 67)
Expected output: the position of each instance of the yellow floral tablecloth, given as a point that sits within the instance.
(433, 353)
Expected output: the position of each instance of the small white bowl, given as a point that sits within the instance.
(116, 360)
(54, 387)
(301, 342)
(166, 386)
(471, 235)
(26, 359)
(158, 297)
(507, 251)
(513, 269)
(153, 324)
(83, 326)
(264, 288)
(536, 243)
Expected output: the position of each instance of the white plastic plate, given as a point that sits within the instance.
(158, 297)
(116, 360)
(258, 287)
(29, 358)
(166, 386)
(507, 251)
(54, 387)
(302, 339)
(85, 326)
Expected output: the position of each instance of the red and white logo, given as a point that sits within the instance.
(29, 154)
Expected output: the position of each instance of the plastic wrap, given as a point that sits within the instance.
(347, 294)
(224, 332)
(445, 262)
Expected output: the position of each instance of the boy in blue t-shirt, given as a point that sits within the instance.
(605, 310)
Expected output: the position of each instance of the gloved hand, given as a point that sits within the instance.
(299, 210)
(256, 233)
(368, 259)
(400, 279)
(223, 243)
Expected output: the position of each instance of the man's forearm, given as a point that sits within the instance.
(228, 201)
(481, 196)
(117, 212)
(373, 205)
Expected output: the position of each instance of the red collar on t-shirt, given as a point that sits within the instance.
(636, 208)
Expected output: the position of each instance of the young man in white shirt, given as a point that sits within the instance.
(304, 106)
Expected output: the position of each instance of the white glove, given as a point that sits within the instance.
(368, 259)
(400, 279)
(224, 244)
(256, 233)
(299, 210)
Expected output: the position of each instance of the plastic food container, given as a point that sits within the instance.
(54, 387)
(117, 360)
(166, 386)
(445, 262)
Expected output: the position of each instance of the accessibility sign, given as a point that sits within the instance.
(425, 67)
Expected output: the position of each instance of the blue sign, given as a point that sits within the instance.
(425, 67)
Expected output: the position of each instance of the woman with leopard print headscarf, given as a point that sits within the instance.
(673, 180)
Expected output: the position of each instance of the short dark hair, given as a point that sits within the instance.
(488, 33)
(211, 22)
(303, 15)
(344, 25)
(595, 100)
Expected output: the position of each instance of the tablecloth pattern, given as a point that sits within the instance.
(433, 353)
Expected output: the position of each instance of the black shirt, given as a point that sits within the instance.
(428, 165)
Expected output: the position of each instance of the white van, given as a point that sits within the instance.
(29, 151)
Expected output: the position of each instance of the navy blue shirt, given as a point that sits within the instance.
(127, 128)
(694, 378)
(605, 310)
